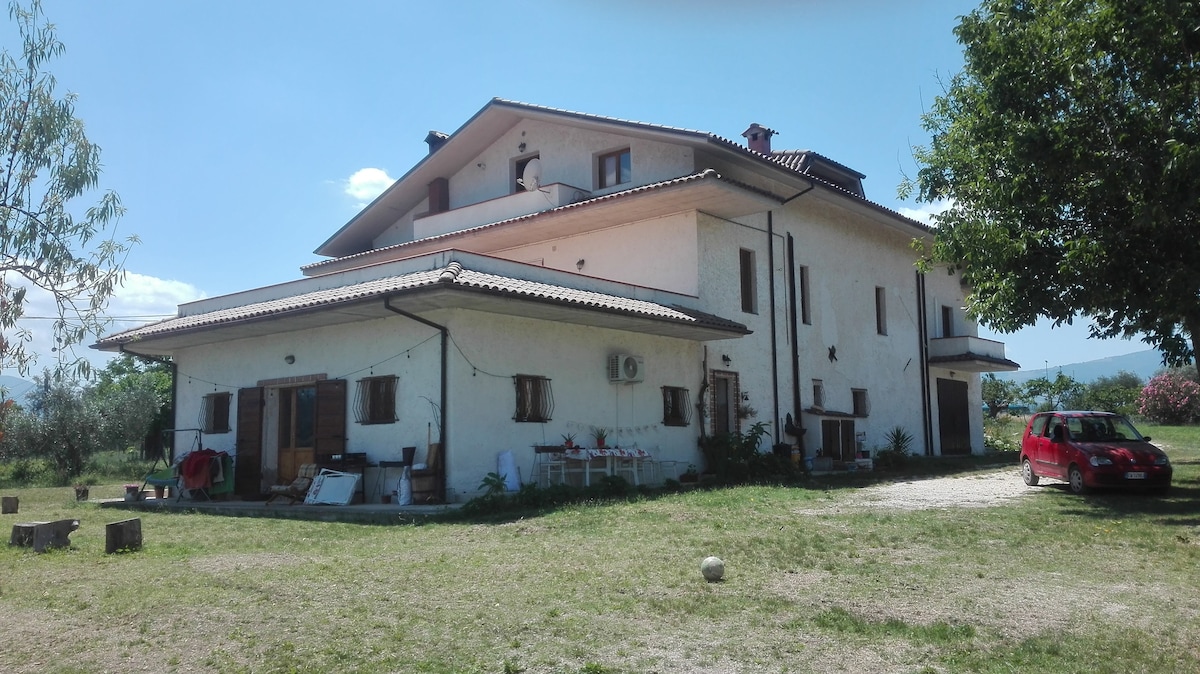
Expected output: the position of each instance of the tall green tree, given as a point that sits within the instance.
(998, 394)
(1053, 392)
(47, 241)
(1069, 150)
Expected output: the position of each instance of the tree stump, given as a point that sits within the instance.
(9, 504)
(123, 535)
(43, 535)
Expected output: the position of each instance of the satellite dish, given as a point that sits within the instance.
(531, 177)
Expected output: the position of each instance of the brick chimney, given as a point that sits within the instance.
(758, 138)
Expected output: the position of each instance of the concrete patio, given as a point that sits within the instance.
(362, 513)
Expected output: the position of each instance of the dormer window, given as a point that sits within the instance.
(613, 169)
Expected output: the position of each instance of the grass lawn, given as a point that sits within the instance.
(814, 582)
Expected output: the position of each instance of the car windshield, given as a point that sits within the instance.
(1102, 429)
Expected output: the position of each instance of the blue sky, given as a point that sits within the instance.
(240, 135)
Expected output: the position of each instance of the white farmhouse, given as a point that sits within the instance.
(541, 272)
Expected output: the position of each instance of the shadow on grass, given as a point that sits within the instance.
(1179, 507)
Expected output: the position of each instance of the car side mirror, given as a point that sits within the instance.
(1146, 438)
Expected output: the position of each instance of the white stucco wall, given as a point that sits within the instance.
(482, 396)
(659, 253)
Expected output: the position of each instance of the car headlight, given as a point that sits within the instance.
(1100, 461)
(1162, 460)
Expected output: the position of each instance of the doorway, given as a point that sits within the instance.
(296, 431)
(954, 421)
(725, 396)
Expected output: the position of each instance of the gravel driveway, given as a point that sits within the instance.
(978, 490)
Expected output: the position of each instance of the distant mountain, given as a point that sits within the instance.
(15, 387)
(1142, 363)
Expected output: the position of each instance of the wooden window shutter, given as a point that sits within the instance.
(247, 481)
(330, 433)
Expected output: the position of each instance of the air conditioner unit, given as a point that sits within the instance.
(624, 368)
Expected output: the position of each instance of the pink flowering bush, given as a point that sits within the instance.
(1170, 398)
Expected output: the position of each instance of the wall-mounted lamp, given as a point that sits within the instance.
(289, 359)
(726, 359)
(579, 264)
(521, 147)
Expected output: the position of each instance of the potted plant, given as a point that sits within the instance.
(133, 492)
(600, 434)
(568, 440)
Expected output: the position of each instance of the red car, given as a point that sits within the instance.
(1092, 449)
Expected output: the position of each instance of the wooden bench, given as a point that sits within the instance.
(43, 535)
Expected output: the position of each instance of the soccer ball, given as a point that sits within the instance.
(712, 568)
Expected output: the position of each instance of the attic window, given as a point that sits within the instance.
(613, 169)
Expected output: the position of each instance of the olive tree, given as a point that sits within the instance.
(1068, 148)
(47, 241)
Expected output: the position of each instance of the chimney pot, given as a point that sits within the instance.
(758, 138)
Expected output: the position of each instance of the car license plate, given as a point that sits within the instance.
(1135, 476)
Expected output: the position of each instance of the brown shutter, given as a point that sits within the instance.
(330, 432)
(248, 472)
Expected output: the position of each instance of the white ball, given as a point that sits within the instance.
(712, 568)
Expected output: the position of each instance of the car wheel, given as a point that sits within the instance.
(1027, 473)
(1075, 479)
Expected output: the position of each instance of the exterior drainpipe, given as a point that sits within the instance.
(791, 262)
(795, 330)
(923, 349)
(774, 339)
(174, 381)
(387, 303)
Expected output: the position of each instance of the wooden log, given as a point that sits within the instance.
(53, 535)
(9, 504)
(43, 535)
(123, 535)
(22, 534)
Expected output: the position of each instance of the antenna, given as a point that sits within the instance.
(531, 177)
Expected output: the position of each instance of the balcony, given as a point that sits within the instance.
(495, 210)
(969, 354)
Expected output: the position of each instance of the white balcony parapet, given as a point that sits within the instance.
(495, 210)
(970, 354)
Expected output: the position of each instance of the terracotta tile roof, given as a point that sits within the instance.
(786, 159)
(707, 174)
(453, 274)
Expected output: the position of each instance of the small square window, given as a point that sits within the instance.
(818, 394)
(375, 402)
(535, 400)
(214, 413)
(613, 169)
(677, 406)
(862, 403)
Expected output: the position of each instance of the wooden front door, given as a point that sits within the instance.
(954, 420)
(297, 429)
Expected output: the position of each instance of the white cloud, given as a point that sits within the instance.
(366, 184)
(139, 300)
(926, 212)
